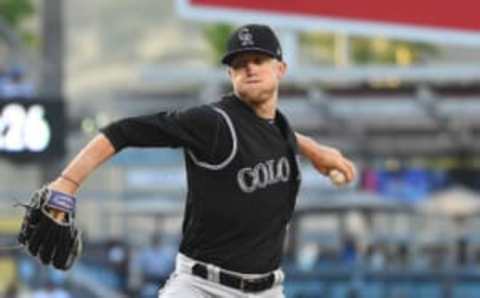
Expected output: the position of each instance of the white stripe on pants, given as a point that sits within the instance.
(183, 284)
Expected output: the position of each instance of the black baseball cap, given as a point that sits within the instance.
(253, 38)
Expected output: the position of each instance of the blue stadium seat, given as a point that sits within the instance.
(304, 290)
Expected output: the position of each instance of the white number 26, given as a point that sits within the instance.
(23, 128)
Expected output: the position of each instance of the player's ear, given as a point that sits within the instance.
(281, 69)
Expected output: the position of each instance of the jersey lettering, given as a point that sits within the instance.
(263, 174)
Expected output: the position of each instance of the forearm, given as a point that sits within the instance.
(311, 149)
(325, 158)
(85, 162)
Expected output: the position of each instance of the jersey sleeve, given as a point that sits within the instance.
(201, 130)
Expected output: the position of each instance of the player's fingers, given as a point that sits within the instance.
(347, 169)
(76, 249)
(48, 248)
(38, 236)
(29, 225)
(350, 170)
(353, 168)
(63, 251)
(354, 171)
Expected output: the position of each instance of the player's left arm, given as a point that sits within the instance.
(325, 158)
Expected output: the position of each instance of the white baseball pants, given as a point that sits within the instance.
(183, 284)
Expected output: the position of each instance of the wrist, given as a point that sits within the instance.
(63, 185)
(307, 146)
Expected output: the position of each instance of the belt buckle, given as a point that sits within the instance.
(249, 285)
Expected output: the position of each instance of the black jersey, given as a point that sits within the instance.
(242, 176)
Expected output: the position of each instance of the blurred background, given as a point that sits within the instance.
(395, 87)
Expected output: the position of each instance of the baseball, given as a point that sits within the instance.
(337, 178)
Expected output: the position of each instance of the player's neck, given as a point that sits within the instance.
(264, 109)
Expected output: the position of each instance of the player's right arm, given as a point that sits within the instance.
(98, 150)
(48, 230)
(196, 129)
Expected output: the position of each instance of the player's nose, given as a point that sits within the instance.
(250, 67)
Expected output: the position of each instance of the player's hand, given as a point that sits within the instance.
(48, 231)
(326, 159)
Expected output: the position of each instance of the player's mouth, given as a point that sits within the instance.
(255, 81)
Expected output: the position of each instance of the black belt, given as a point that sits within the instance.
(251, 285)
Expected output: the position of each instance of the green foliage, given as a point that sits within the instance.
(318, 46)
(30, 38)
(365, 50)
(323, 39)
(384, 51)
(14, 11)
(217, 36)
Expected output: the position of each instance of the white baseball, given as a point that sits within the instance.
(337, 177)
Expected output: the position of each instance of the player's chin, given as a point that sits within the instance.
(254, 99)
(255, 94)
(249, 93)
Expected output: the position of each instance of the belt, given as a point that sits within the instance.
(251, 285)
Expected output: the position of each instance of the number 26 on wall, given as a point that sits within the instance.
(23, 128)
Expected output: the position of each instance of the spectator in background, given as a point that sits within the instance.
(376, 256)
(157, 261)
(370, 180)
(403, 255)
(14, 85)
(51, 291)
(11, 290)
(349, 250)
(462, 251)
(3, 78)
(308, 257)
(118, 260)
(27, 271)
(57, 277)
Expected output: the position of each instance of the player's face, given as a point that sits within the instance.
(255, 77)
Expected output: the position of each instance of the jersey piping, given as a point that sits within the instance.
(223, 164)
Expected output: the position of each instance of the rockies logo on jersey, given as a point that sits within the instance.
(263, 174)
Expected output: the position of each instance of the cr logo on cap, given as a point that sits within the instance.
(245, 37)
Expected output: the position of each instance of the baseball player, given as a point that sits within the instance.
(243, 177)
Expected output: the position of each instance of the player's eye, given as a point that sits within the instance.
(238, 64)
(257, 60)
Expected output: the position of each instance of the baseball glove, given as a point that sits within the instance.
(50, 239)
